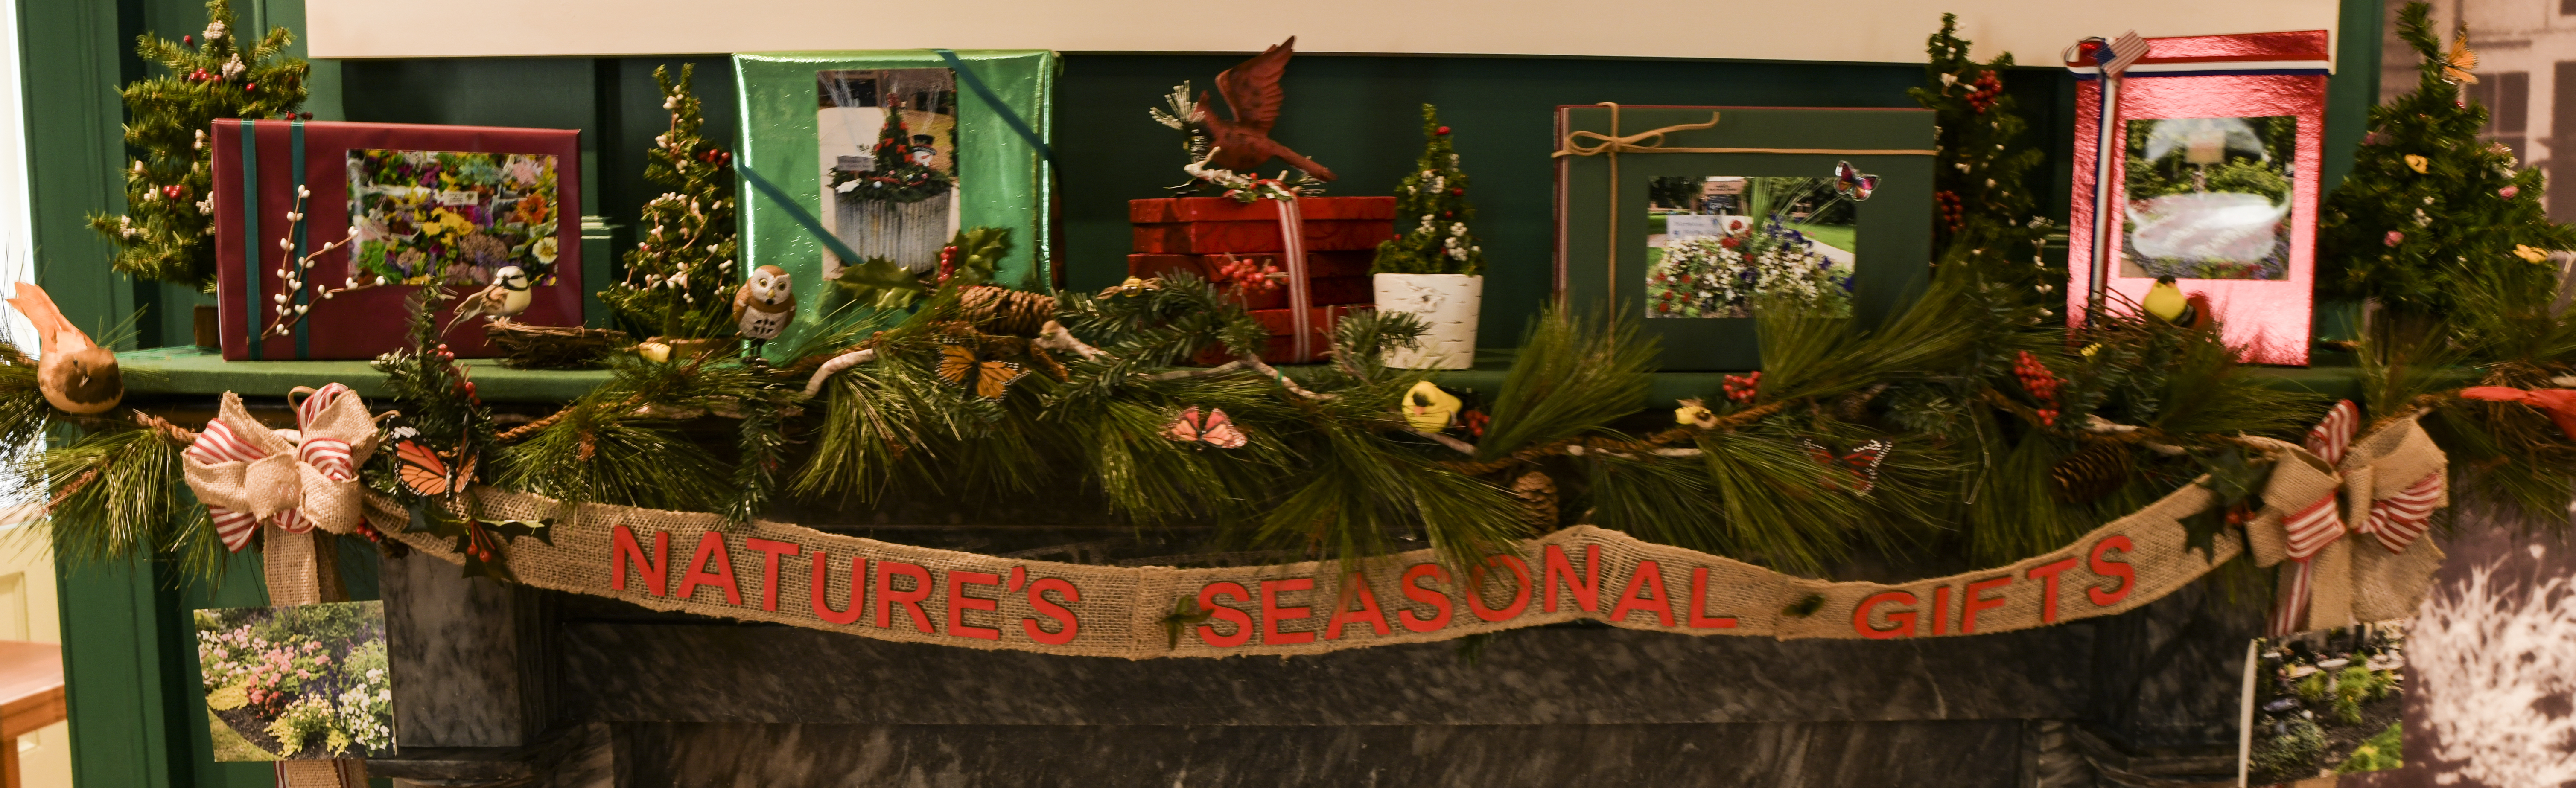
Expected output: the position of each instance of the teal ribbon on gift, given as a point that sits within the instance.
(250, 234)
(797, 212)
(295, 144)
(1013, 119)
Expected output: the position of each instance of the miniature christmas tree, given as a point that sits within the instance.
(2429, 207)
(903, 172)
(680, 276)
(167, 230)
(1985, 208)
(1433, 200)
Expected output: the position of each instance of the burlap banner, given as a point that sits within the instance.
(788, 574)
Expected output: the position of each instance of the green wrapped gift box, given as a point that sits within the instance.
(1682, 230)
(892, 152)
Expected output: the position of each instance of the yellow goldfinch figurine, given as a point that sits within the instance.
(1428, 409)
(2167, 303)
(75, 374)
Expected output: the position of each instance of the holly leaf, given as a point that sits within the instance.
(1185, 611)
(543, 529)
(2233, 480)
(1805, 606)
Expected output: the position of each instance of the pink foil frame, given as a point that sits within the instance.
(2231, 76)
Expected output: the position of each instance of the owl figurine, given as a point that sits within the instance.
(764, 305)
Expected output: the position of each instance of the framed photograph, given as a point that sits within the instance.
(296, 683)
(887, 144)
(2211, 180)
(452, 218)
(1691, 243)
(2325, 702)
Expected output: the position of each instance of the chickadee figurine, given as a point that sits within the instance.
(75, 374)
(763, 306)
(508, 296)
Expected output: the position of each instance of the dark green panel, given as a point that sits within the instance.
(1359, 116)
(2353, 89)
(70, 67)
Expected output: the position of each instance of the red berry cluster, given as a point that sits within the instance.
(1247, 275)
(715, 156)
(1443, 131)
(1954, 213)
(947, 262)
(174, 191)
(1474, 422)
(1989, 88)
(463, 385)
(1455, 191)
(1743, 388)
(2041, 383)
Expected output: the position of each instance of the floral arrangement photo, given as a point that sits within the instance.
(295, 683)
(439, 217)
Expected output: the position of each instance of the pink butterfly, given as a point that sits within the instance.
(1862, 462)
(1214, 429)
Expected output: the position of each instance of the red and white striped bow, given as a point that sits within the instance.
(2395, 522)
(323, 463)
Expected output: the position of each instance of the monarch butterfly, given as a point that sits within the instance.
(2462, 60)
(1862, 462)
(1213, 429)
(989, 379)
(428, 473)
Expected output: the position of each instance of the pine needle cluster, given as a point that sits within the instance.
(167, 231)
(680, 277)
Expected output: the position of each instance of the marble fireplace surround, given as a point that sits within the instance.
(509, 686)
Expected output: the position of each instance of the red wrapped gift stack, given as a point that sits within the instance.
(1242, 244)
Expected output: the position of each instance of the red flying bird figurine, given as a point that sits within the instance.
(1251, 91)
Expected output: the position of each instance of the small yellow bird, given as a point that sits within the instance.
(2166, 302)
(1428, 409)
(75, 374)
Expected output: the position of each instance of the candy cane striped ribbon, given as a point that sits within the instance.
(2310, 531)
(2398, 520)
(2333, 435)
(331, 456)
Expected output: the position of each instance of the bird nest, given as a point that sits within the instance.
(525, 346)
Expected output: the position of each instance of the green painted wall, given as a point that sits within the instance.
(134, 698)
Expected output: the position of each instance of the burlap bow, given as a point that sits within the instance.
(2330, 581)
(248, 474)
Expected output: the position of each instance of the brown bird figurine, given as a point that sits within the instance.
(1251, 91)
(75, 374)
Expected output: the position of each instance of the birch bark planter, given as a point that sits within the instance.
(1449, 303)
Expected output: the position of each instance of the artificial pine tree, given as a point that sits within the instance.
(898, 177)
(680, 276)
(2429, 208)
(167, 230)
(1985, 207)
(1433, 198)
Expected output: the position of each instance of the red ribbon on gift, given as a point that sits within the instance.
(331, 456)
(1292, 235)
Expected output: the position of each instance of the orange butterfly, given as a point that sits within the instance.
(2462, 60)
(1862, 462)
(989, 379)
(430, 474)
(1213, 429)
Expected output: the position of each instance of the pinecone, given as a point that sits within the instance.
(2090, 473)
(1006, 312)
(1538, 499)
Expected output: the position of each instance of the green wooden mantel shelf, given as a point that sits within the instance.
(186, 371)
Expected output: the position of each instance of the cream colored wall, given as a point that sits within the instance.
(1846, 30)
(29, 610)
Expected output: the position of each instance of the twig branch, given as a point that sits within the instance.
(837, 365)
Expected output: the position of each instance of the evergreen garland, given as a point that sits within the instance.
(680, 278)
(1432, 201)
(2429, 210)
(167, 230)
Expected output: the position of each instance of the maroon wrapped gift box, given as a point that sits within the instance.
(360, 324)
(1214, 225)
(1333, 278)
